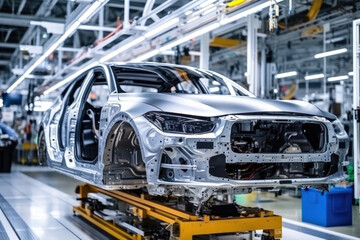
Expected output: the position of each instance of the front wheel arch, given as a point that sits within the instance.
(122, 151)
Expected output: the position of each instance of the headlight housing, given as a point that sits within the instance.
(172, 123)
(338, 127)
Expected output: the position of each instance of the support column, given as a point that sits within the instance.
(60, 55)
(326, 28)
(356, 104)
(101, 23)
(204, 51)
(37, 43)
(126, 13)
(68, 8)
(252, 60)
(263, 88)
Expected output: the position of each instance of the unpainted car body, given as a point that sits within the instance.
(183, 131)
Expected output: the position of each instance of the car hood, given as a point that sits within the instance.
(220, 105)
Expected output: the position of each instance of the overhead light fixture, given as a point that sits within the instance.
(70, 78)
(214, 89)
(162, 27)
(351, 73)
(286, 74)
(42, 106)
(211, 27)
(90, 10)
(208, 2)
(68, 32)
(170, 45)
(212, 9)
(146, 56)
(187, 37)
(338, 78)
(173, 53)
(315, 76)
(330, 53)
(122, 49)
(193, 19)
(161, 49)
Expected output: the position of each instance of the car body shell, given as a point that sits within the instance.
(190, 177)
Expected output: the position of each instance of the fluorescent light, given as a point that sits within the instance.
(146, 56)
(338, 78)
(286, 74)
(212, 9)
(42, 106)
(204, 4)
(215, 83)
(210, 27)
(315, 76)
(173, 53)
(190, 36)
(161, 28)
(175, 43)
(70, 30)
(185, 38)
(201, 31)
(89, 11)
(214, 89)
(216, 24)
(351, 73)
(193, 19)
(127, 46)
(67, 33)
(330, 53)
(70, 78)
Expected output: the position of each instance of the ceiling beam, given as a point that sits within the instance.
(8, 35)
(8, 45)
(4, 62)
(44, 11)
(119, 5)
(82, 13)
(5, 55)
(21, 7)
(24, 20)
(96, 28)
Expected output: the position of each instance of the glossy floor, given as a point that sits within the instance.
(43, 199)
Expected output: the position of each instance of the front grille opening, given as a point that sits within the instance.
(266, 171)
(270, 136)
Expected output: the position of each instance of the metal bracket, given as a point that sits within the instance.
(51, 27)
(357, 113)
(31, 49)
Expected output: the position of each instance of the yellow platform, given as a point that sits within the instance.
(181, 224)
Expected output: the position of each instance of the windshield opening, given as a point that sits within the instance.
(174, 79)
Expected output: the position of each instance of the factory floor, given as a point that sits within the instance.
(36, 203)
